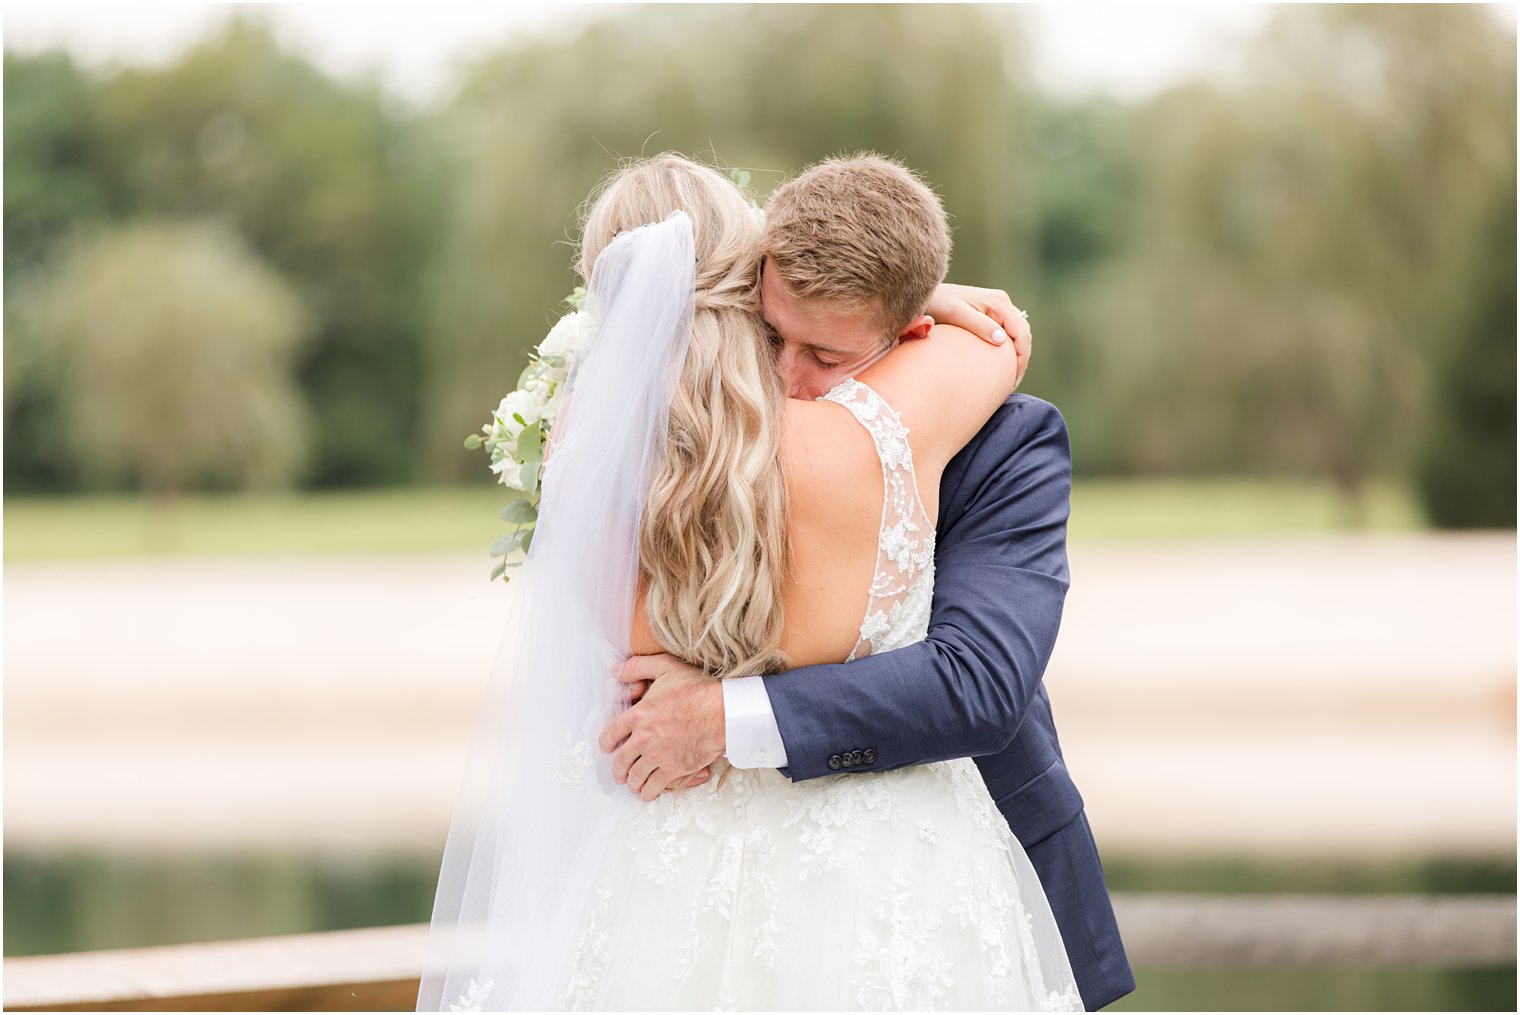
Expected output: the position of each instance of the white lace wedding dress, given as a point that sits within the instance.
(891, 890)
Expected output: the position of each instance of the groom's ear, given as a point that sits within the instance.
(917, 328)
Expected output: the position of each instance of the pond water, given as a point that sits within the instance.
(81, 901)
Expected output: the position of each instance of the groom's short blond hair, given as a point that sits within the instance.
(860, 233)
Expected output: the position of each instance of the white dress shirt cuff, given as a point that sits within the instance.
(749, 724)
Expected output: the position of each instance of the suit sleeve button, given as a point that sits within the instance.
(856, 757)
(870, 755)
(846, 760)
(835, 761)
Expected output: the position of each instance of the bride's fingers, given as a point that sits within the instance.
(1016, 324)
(988, 329)
(1023, 345)
(1010, 322)
(638, 689)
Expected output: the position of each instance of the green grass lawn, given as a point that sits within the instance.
(465, 519)
(1182, 508)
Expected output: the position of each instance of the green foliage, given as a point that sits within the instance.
(52, 183)
(1466, 473)
(460, 519)
(765, 90)
(174, 349)
(1289, 274)
(520, 512)
(323, 181)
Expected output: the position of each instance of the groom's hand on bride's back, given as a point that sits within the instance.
(671, 732)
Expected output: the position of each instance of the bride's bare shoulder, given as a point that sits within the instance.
(827, 454)
(835, 495)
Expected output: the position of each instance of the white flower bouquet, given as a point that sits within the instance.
(518, 431)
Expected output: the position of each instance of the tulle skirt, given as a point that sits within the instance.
(877, 891)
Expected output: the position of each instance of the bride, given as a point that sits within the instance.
(689, 507)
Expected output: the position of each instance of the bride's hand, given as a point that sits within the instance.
(672, 731)
(986, 313)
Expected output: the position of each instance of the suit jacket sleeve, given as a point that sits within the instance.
(1000, 584)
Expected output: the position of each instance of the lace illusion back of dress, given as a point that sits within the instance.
(902, 587)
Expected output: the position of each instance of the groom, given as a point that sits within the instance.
(833, 266)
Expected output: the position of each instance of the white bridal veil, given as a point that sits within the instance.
(533, 822)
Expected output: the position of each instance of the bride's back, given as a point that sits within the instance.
(944, 389)
(834, 515)
(837, 492)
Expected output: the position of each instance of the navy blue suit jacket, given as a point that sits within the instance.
(974, 687)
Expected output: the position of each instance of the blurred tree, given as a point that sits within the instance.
(1279, 272)
(1297, 253)
(328, 183)
(331, 186)
(174, 346)
(51, 151)
(1084, 205)
(769, 89)
(1467, 466)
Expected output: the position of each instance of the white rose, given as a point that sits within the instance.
(547, 394)
(564, 338)
(518, 403)
(551, 407)
(509, 471)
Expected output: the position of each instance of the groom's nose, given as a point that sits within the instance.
(791, 375)
(800, 384)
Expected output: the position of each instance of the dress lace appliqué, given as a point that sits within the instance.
(902, 589)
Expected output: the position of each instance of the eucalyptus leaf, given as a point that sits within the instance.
(504, 543)
(530, 444)
(518, 495)
(497, 570)
(473, 441)
(528, 540)
(519, 511)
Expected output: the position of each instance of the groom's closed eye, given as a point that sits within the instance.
(778, 343)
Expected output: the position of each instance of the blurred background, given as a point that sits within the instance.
(266, 267)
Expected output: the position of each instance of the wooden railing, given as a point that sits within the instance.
(377, 969)
(374, 969)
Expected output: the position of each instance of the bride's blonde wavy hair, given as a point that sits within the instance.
(713, 548)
